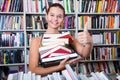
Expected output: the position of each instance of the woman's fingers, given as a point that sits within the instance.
(73, 61)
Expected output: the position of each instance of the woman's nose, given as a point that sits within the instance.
(55, 18)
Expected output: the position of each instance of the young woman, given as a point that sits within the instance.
(82, 45)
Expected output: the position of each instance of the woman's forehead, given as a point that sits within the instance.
(56, 9)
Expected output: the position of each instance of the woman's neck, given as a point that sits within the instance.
(52, 31)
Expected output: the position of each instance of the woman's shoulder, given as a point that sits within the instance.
(37, 40)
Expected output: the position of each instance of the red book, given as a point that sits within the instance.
(58, 49)
(44, 49)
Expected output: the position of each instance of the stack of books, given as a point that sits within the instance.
(56, 47)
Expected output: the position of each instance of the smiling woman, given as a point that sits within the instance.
(55, 18)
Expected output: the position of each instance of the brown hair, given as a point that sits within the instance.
(56, 5)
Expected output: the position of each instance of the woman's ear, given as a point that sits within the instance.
(62, 24)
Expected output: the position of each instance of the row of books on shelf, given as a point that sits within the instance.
(11, 5)
(56, 47)
(106, 37)
(8, 22)
(41, 6)
(67, 74)
(75, 6)
(11, 56)
(94, 22)
(39, 22)
(104, 53)
(110, 67)
(8, 39)
(98, 6)
(99, 22)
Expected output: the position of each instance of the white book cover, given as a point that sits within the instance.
(15, 76)
(71, 72)
(50, 77)
(118, 76)
(58, 75)
(116, 22)
(66, 74)
(57, 54)
(50, 59)
(98, 75)
(33, 6)
(94, 75)
(29, 75)
(37, 77)
(85, 77)
(10, 77)
(49, 42)
(33, 76)
(102, 74)
(25, 76)
(54, 74)
(20, 76)
(54, 36)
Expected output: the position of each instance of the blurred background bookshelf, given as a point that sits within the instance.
(21, 20)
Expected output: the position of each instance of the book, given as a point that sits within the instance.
(58, 49)
(47, 42)
(66, 74)
(44, 49)
(54, 36)
(95, 76)
(72, 73)
(24, 76)
(58, 58)
(105, 76)
(57, 54)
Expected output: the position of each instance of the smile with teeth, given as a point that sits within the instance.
(54, 23)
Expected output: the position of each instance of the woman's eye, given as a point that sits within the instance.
(51, 15)
(60, 16)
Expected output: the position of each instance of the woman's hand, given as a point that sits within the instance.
(67, 61)
(84, 37)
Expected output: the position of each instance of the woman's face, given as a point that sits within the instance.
(55, 17)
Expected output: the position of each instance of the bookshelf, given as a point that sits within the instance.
(12, 49)
(80, 8)
(106, 45)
